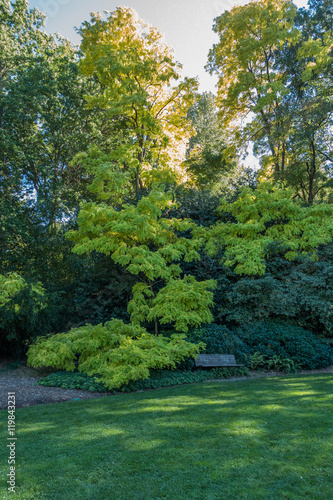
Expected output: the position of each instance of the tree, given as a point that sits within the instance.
(135, 72)
(148, 245)
(308, 109)
(43, 125)
(209, 161)
(139, 238)
(20, 37)
(249, 79)
(138, 90)
(275, 76)
(318, 18)
(311, 84)
(22, 313)
(264, 217)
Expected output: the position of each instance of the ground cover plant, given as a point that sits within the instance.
(157, 378)
(287, 342)
(254, 439)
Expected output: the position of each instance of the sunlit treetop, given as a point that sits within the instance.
(245, 56)
(122, 40)
(140, 85)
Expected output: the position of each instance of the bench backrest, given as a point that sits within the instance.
(216, 360)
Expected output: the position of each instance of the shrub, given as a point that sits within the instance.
(287, 342)
(22, 313)
(299, 293)
(160, 378)
(117, 352)
(73, 380)
(219, 340)
(258, 361)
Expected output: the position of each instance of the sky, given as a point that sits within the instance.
(187, 25)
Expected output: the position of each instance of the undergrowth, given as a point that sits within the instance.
(160, 378)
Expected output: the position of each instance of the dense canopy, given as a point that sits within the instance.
(128, 215)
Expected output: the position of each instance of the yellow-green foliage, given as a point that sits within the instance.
(129, 235)
(140, 84)
(249, 35)
(116, 351)
(185, 302)
(269, 214)
(13, 283)
(9, 286)
(139, 238)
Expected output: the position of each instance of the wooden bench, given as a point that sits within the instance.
(212, 360)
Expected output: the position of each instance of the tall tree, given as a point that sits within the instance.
(43, 125)
(209, 160)
(275, 78)
(311, 81)
(138, 87)
(20, 37)
(319, 17)
(250, 81)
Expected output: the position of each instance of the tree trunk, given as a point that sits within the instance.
(312, 173)
(137, 184)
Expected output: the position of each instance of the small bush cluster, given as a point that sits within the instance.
(264, 345)
(73, 380)
(287, 342)
(160, 378)
(259, 361)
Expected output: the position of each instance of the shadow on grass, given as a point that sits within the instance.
(257, 439)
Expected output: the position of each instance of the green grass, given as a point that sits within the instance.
(253, 439)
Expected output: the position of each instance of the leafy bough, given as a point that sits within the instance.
(116, 351)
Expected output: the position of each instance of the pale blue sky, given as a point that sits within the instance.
(187, 25)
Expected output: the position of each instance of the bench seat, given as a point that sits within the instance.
(212, 360)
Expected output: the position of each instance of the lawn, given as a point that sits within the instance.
(253, 439)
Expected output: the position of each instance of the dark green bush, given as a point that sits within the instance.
(287, 342)
(72, 380)
(259, 361)
(158, 378)
(219, 340)
(298, 292)
(22, 319)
